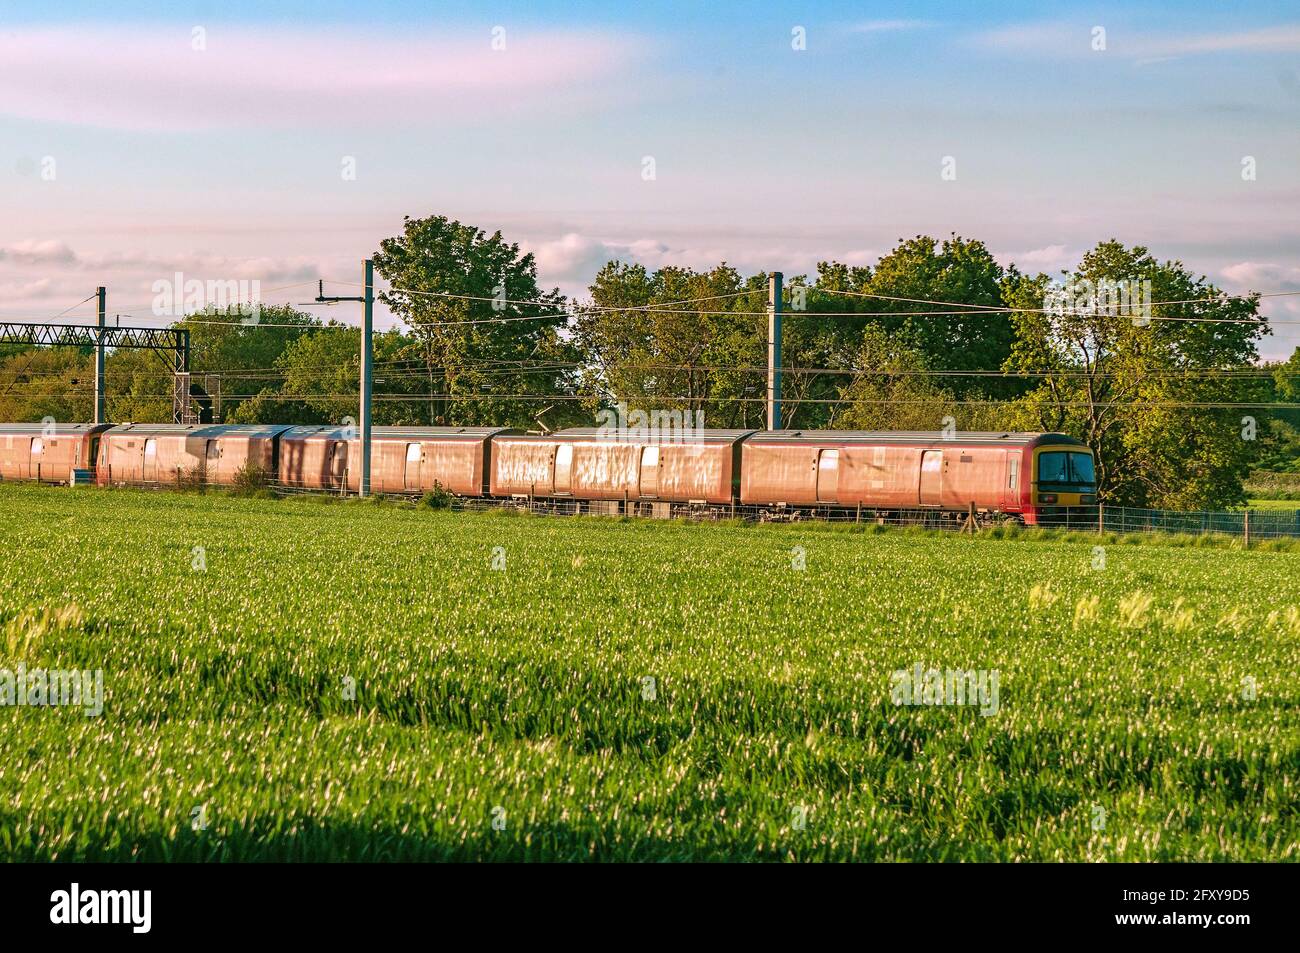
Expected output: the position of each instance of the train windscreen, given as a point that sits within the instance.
(1066, 467)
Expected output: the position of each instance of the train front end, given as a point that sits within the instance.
(1064, 487)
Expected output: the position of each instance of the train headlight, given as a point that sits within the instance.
(1087, 499)
(1047, 498)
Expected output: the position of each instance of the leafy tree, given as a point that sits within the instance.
(960, 271)
(653, 341)
(242, 352)
(494, 355)
(1137, 390)
(322, 381)
(47, 382)
(891, 389)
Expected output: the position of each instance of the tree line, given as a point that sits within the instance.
(1166, 394)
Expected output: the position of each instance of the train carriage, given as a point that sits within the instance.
(402, 459)
(159, 454)
(1036, 478)
(48, 452)
(1028, 476)
(693, 468)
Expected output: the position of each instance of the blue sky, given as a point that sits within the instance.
(226, 161)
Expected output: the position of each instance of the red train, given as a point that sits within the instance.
(1030, 477)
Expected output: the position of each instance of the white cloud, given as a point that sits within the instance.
(1284, 38)
(889, 26)
(19, 289)
(1263, 276)
(1050, 259)
(1267, 277)
(33, 252)
(1058, 39)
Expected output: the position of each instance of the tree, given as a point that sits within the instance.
(322, 381)
(486, 335)
(243, 353)
(961, 271)
(672, 339)
(53, 382)
(1143, 386)
(891, 389)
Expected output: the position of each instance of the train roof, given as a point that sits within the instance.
(29, 428)
(338, 432)
(209, 431)
(668, 435)
(914, 437)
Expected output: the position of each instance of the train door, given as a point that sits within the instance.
(828, 476)
(649, 471)
(150, 474)
(931, 477)
(411, 475)
(92, 457)
(564, 469)
(1011, 487)
(338, 464)
(212, 462)
(34, 462)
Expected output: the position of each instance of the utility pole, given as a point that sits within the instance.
(367, 325)
(774, 351)
(100, 416)
(366, 374)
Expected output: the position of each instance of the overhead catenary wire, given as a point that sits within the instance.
(561, 308)
(411, 368)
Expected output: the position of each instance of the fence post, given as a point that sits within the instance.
(1245, 527)
(1101, 519)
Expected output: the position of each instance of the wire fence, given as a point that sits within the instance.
(1248, 525)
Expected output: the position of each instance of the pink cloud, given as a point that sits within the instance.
(152, 77)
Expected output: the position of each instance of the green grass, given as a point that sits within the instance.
(1120, 689)
(1287, 505)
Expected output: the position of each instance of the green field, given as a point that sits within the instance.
(1287, 505)
(1147, 710)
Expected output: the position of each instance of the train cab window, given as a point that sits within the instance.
(1013, 474)
(1081, 468)
(1053, 468)
(1065, 467)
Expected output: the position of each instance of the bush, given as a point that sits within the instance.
(436, 499)
(251, 478)
(193, 479)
